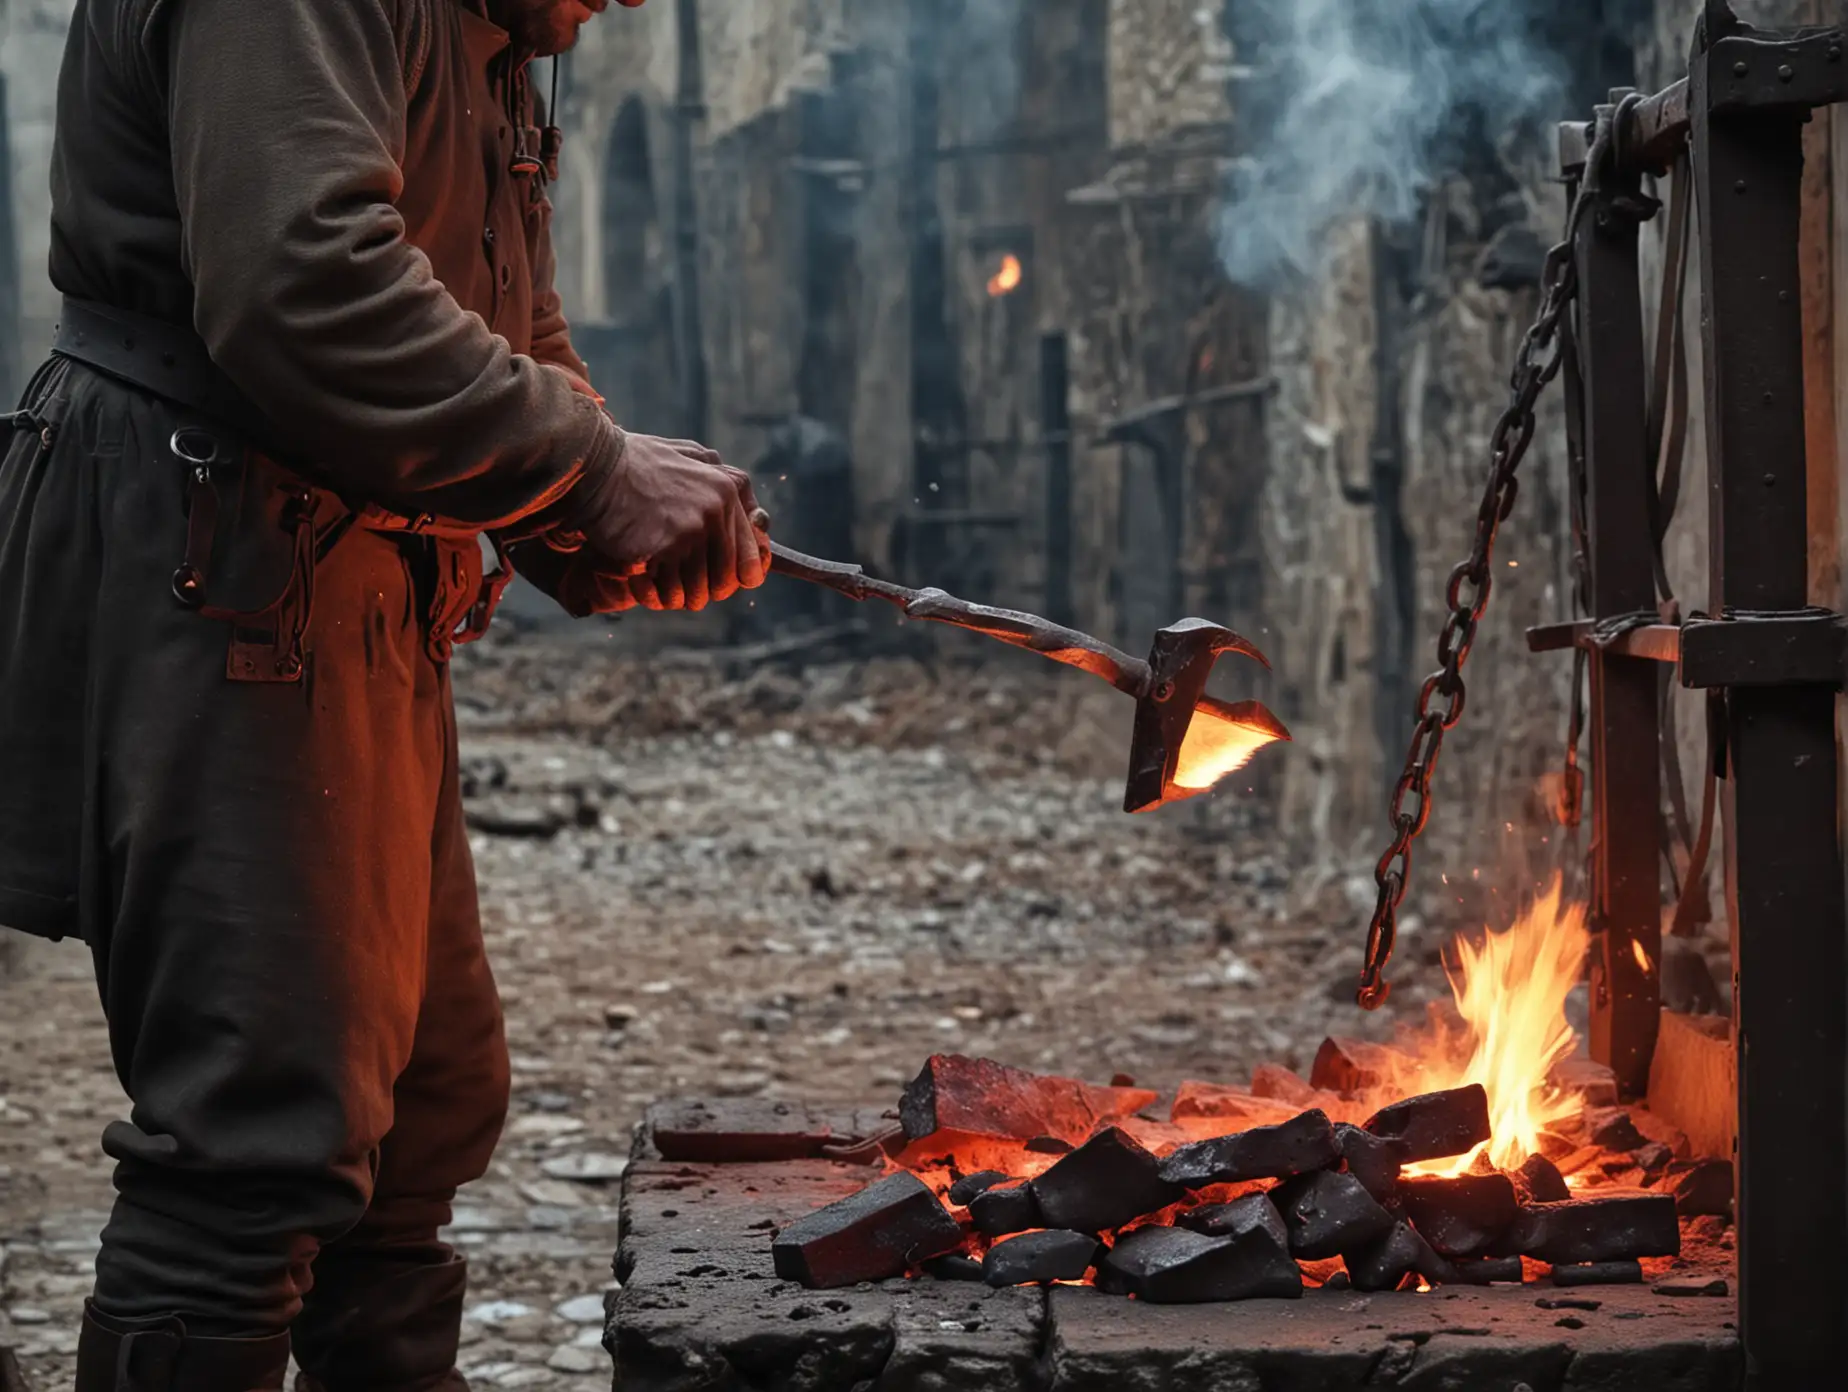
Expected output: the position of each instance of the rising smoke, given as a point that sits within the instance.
(1357, 104)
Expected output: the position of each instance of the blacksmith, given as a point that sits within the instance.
(310, 355)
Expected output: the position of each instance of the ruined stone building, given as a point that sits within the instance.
(916, 219)
(954, 278)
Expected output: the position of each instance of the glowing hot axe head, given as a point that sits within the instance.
(1186, 741)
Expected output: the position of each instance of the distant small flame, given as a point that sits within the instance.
(1221, 741)
(1006, 280)
(1642, 957)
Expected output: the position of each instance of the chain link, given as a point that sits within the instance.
(1467, 594)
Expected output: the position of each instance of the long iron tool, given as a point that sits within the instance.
(1184, 740)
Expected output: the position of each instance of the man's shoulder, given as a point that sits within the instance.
(139, 29)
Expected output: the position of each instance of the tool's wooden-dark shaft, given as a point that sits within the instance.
(1127, 674)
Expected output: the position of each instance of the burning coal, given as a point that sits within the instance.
(1471, 1152)
(1510, 990)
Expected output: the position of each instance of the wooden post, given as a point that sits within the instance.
(1783, 861)
(1625, 717)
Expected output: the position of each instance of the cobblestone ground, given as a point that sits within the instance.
(751, 883)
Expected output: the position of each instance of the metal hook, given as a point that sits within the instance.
(197, 447)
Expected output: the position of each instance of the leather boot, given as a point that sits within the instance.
(159, 1356)
(381, 1326)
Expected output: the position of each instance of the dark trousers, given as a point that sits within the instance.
(273, 876)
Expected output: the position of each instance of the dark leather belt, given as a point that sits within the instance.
(166, 360)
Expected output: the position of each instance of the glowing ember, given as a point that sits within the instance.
(1006, 280)
(1511, 992)
(1642, 957)
(1219, 741)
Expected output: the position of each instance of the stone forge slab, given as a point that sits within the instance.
(702, 1310)
(1441, 1341)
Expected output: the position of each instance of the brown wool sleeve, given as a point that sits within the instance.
(288, 131)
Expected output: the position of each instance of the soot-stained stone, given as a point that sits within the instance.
(1610, 1273)
(868, 1236)
(1703, 1190)
(1461, 1217)
(1175, 1266)
(1437, 1125)
(1108, 1181)
(969, 1186)
(1541, 1182)
(1328, 1213)
(1485, 1271)
(1371, 1159)
(1615, 1228)
(954, 1093)
(1051, 1255)
(1383, 1264)
(701, 1307)
(1264, 1152)
(741, 1130)
(998, 1212)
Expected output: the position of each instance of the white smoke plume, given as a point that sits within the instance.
(1359, 99)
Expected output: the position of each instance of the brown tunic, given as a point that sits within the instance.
(323, 191)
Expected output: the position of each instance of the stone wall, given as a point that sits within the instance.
(30, 53)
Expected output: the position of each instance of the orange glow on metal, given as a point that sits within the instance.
(1215, 746)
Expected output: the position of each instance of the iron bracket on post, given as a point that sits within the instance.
(1801, 647)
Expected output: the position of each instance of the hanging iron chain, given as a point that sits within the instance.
(1466, 595)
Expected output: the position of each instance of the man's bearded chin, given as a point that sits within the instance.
(545, 27)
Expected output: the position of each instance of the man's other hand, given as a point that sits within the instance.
(675, 529)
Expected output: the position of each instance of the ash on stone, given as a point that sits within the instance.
(1052, 1255)
(1263, 1152)
(1174, 1266)
(878, 1232)
(1437, 1125)
(998, 1212)
(1461, 1217)
(1615, 1228)
(969, 1186)
(1110, 1180)
(1328, 1213)
(1382, 1265)
(1610, 1273)
(985, 1098)
(1371, 1159)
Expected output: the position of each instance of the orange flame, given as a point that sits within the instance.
(1220, 740)
(1641, 953)
(1511, 992)
(1006, 280)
